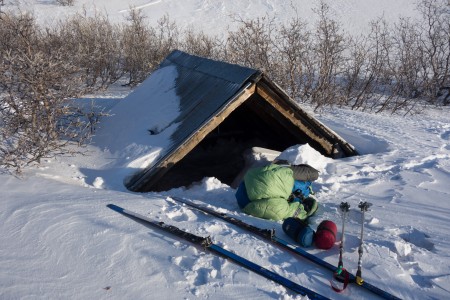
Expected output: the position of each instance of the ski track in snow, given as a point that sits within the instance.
(141, 6)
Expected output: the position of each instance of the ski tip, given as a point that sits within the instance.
(115, 207)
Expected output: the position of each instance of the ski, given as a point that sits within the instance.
(207, 244)
(269, 235)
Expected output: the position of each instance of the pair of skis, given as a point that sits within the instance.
(269, 235)
(207, 244)
(341, 274)
(265, 234)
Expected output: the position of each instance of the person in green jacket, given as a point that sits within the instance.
(269, 188)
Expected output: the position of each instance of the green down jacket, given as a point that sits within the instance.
(268, 189)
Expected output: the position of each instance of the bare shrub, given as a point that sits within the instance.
(405, 67)
(293, 44)
(357, 81)
(165, 38)
(434, 47)
(135, 44)
(410, 60)
(326, 58)
(201, 44)
(392, 68)
(368, 83)
(36, 82)
(252, 44)
(144, 47)
(91, 43)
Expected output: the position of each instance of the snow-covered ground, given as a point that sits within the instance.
(215, 16)
(59, 240)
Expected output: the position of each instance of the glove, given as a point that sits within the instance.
(310, 206)
(296, 200)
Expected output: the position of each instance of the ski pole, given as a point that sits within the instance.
(341, 274)
(364, 206)
(344, 209)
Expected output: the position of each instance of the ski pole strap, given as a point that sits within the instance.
(340, 275)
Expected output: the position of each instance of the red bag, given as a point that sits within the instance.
(325, 235)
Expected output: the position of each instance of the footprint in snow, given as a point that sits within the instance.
(405, 251)
(414, 237)
(402, 248)
(216, 228)
(181, 215)
(198, 271)
(418, 238)
(445, 135)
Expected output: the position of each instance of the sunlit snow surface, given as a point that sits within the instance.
(59, 240)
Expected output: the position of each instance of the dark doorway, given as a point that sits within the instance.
(220, 153)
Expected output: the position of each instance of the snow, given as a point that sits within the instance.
(59, 240)
(216, 16)
(305, 154)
